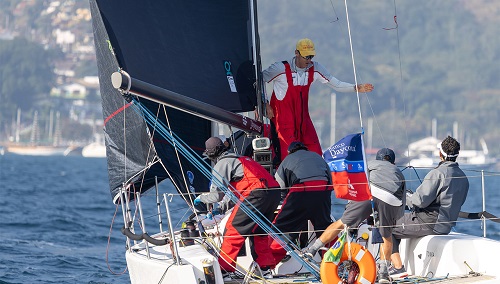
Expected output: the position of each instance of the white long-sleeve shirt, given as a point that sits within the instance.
(276, 73)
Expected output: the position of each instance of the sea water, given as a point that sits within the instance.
(56, 214)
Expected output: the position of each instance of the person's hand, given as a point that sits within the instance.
(269, 111)
(409, 194)
(197, 200)
(364, 88)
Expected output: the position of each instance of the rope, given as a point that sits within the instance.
(234, 196)
(474, 216)
(359, 104)
(219, 181)
(401, 81)
(353, 65)
(108, 246)
(479, 215)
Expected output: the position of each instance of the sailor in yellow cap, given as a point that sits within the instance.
(288, 107)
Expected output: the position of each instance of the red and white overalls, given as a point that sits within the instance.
(239, 225)
(291, 115)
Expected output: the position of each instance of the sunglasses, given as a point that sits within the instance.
(309, 57)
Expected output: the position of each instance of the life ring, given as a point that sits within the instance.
(361, 256)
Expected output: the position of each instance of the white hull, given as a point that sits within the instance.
(154, 269)
(94, 150)
(39, 150)
(448, 256)
(454, 254)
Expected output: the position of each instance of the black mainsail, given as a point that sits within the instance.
(199, 49)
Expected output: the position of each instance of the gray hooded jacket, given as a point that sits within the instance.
(387, 176)
(440, 196)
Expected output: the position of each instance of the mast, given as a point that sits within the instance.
(260, 88)
(35, 133)
(18, 126)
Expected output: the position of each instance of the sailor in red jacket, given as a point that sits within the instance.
(252, 183)
(288, 108)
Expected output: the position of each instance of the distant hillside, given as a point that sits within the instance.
(439, 63)
(485, 11)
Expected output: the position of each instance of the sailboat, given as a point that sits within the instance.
(34, 147)
(170, 74)
(96, 149)
(424, 153)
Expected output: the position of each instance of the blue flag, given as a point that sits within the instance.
(347, 165)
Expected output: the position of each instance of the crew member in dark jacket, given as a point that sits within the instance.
(308, 179)
(387, 186)
(435, 204)
(253, 185)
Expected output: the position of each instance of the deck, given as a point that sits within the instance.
(470, 278)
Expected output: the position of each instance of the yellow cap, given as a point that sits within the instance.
(306, 47)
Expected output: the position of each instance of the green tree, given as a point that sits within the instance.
(26, 75)
(75, 131)
(86, 68)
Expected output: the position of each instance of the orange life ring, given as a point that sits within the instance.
(361, 256)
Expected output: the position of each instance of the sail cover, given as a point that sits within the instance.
(199, 49)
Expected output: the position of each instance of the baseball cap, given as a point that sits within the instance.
(295, 146)
(212, 145)
(306, 47)
(386, 152)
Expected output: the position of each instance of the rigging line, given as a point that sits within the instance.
(146, 167)
(136, 211)
(109, 243)
(335, 12)
(257, 219)
(174, 183)
(127, 214)
(165, 273)
(134, 104)
(192, 157)
(151, 145)
(353, 64)
(184, 215)
(179, 161)
(395, 21)
(157, 159)
(124, 139)
(233, 140)
(401, 80)
(407, 180)
(261, 220)
(358, 98)
(352, 54)
(375, 120)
